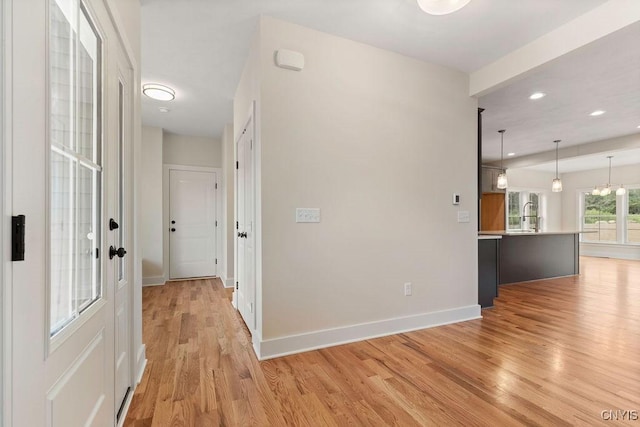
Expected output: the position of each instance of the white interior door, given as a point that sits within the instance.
(192, 228)
(123, 213)
(62, 294)
(245, 236)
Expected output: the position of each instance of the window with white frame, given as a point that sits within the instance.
(524, 209)
(611, 218)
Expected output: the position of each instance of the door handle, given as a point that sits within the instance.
(113, 225)
(120, 252)
(242, 234)
(173, 230)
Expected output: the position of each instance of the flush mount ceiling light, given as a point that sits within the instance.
(511, 154)
(441, 7)
(605, 190)
(597, 113)
(556, 185)
(158, 92)
(502, 177)
(537, 95)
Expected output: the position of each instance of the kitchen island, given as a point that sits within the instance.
(528, 255)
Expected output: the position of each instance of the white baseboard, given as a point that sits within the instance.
(141, 362)
(608, 250)
(277, 347)
(153, 281)
(228, 282)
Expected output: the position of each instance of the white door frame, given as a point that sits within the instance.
(253, 120)
(5, 208)
(167, 168)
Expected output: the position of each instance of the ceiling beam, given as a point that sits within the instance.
(597, 23)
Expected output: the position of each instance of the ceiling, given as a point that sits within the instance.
(603, 75)
(198, 47)
(591, 162)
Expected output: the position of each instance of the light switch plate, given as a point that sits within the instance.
(307, 214)
(463, 216)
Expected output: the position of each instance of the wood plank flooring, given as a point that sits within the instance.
(550, 353)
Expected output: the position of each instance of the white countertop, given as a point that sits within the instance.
(527, 233)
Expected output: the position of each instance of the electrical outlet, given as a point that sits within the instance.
(407, 289)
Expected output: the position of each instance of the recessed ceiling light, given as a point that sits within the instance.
(597, 113)
(163, 109)
(537, 95)
(511, 154)
(638, 127)
(159, 92)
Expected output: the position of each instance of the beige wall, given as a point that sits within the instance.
(191, 150)
(524, 179)
(379, 142)
(229, 206)
(151, 206)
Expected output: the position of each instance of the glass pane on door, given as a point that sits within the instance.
(75, 171)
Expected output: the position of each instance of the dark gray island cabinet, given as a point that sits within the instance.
(526, 256)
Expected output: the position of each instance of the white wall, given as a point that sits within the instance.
(524, 179)
(191, 150)
(367, 136)
(228, 222)
(151, 229)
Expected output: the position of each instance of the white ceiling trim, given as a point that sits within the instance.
(593, 25)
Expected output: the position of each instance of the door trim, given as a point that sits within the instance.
(252, 120)
(166, 169)
(6, 209)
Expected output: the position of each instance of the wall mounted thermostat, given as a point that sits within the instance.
(456, 199)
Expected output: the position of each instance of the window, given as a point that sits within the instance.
(611, 218)
(600, 218)
(520, 217)
(633, 216)
(74, 171)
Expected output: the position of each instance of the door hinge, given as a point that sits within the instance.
(216, 261)
(236, 286)
(237, 225)
(97, 253)
(17, 237)
(237, 164)
(216, 185)
(216, 223)
(251, 145)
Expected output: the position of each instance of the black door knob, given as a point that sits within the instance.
(173, 222)
(242, 234)
(173, 230)
(120, 252)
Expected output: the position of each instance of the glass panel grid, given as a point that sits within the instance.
(75, 172)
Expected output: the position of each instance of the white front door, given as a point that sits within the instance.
(122, 215)
(64, 121)
(245, 236)
(192, 224)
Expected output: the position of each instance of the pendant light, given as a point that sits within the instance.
(606, 189)
(556, 185)
(502, 178)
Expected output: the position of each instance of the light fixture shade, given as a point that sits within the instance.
(502, 180)
(556, 186)
(441, 7)
(595, 192)
(621, 191)
(605, 191)
(158, 92)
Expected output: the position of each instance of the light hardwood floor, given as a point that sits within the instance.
(550, 353)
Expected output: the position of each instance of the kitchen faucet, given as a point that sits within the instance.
(534, 208)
